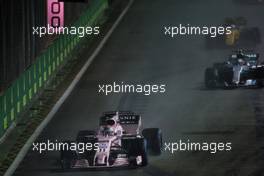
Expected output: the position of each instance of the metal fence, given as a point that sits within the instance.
(21, 93)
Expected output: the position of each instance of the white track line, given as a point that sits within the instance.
(58, 104)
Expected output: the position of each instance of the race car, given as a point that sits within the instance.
(240, 70)
(117, 143)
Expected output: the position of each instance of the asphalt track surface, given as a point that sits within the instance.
(138, 52)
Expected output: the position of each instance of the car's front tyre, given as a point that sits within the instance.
(153, 137)
(136, 148)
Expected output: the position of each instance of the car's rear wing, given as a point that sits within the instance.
(129, 119)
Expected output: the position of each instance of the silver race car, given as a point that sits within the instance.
(240, 70)
(117, 143)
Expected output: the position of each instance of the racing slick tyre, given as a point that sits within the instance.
(67, 156)
(87, 137)
(153, 137)
(136, 147)
(260, 83)
(210, 78)
(259, 76)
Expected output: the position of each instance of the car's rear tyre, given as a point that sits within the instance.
(87, 137)
(260, 83)
(210, 78)
(258, 74)
(153, 137)
(67, 156)
(65, 164)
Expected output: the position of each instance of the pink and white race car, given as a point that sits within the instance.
(117, 143)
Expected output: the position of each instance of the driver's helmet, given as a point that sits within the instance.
(109, 127)
(240, 54)
(241, 61)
